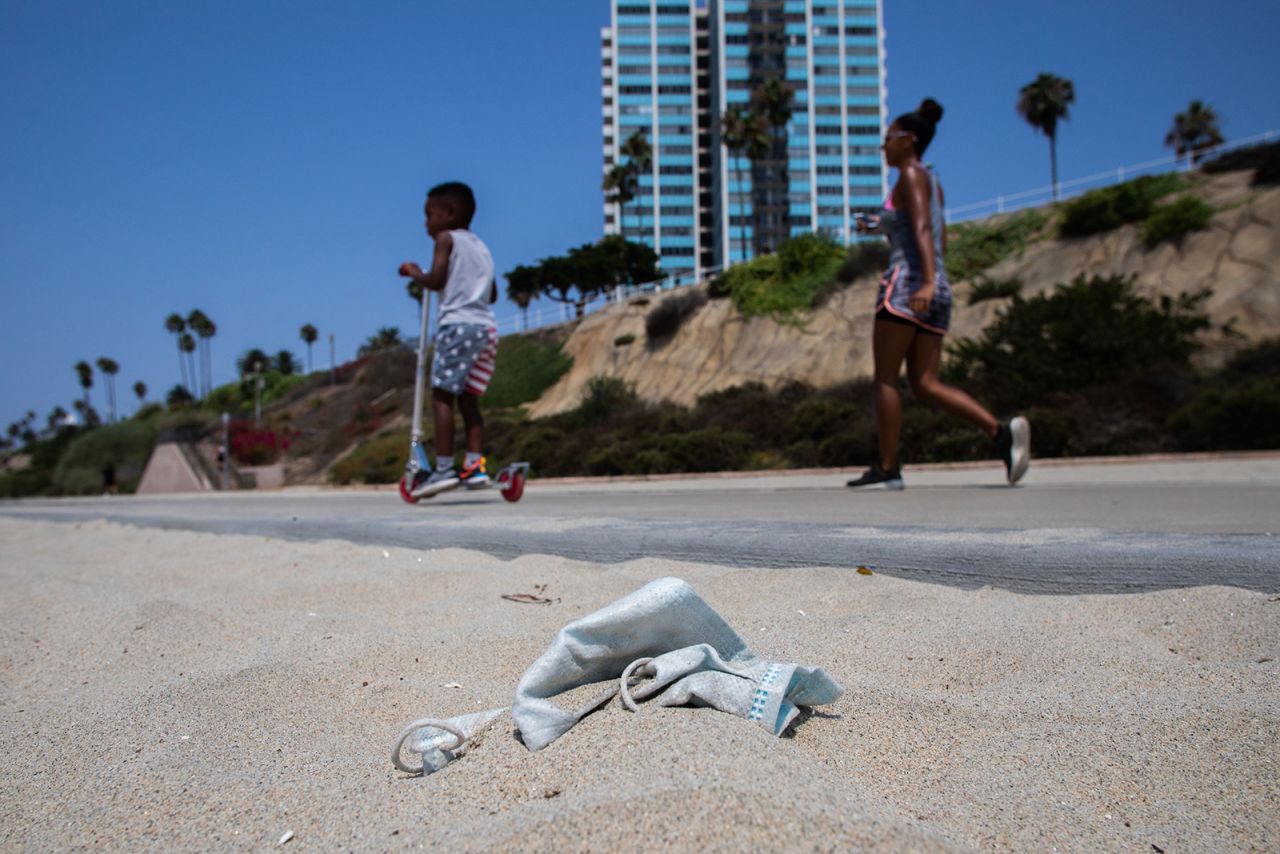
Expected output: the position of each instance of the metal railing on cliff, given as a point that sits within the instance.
(545, 316)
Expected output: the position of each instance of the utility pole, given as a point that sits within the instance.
(333, 362)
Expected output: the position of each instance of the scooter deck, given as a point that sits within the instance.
(509, 481)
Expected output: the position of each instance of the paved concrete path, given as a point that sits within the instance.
(1099, 526)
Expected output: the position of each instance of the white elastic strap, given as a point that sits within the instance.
(624, 688)
(459, 740)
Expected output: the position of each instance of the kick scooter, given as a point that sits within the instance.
(509, 480)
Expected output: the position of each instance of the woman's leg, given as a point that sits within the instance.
(922, 368)
(890, 343)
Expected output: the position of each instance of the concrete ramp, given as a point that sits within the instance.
(170, 470)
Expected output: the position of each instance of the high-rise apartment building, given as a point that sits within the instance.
(671, 70)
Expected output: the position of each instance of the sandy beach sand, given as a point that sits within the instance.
(170, 690)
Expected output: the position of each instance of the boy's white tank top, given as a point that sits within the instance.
(465, 298)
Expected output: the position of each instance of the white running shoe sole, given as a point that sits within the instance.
(1020, 452)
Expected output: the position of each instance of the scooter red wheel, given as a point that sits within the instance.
(404, 491)
(514, 488)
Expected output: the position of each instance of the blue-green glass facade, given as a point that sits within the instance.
(650, 58)
(672, 69)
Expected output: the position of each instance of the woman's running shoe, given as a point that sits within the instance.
(878, 477)
(1014, 443)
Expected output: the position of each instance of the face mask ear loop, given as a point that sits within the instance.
(458, 740)
(624, 688)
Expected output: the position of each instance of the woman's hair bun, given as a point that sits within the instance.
(930, 110)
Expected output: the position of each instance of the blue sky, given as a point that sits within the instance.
(266, 161)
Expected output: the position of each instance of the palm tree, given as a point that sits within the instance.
(524, 284)
(252, 361)
(85, 374)
(110, 368)
(620, 185)
(187, 344)
(57, 417)
(176, 325)
(743, 132)
(285, 363)
(1194, 132)
(309, 335)
(1042, 102)
(199, 323)
(771, 101)
(638, 152)
(140, 389)
(386, 338)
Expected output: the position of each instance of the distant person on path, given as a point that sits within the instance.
(109, 486)
(466, 344)
(913, 306)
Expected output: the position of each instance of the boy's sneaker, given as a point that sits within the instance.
(438, 481)
(876, 476)
(474, 476)
(1013, 441)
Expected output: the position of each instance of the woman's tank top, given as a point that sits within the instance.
(902, 236)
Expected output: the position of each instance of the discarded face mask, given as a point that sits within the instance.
(662, 643)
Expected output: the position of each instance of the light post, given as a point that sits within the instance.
(224, 457)
(257, 394)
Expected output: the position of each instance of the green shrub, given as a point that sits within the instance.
(605, 398)
(665, 318)
(624, 340)
(1075, 336)
(973, 247)
(1268, 172)
(526, 367)
(863, 258)
(783, 285)
(1111, 207)
(985, 289)
(126, 446)
(1175, 221)
(1242, 159)
(379, 460)
(1242, 417)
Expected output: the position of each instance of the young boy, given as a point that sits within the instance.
(466, 334)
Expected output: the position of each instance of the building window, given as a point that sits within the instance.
(677, 250)
(674, 90)
(635, 90)
(859, 31)
(633, 69)
(633, 31)
(673, 50)
(863, 111)
(677, 231)
(677, 210)
(675, 170)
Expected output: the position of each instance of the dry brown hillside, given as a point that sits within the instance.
(1237, 258)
